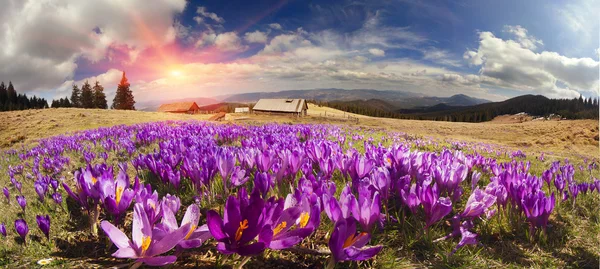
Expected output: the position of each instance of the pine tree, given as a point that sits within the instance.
(76, 96)
(99, 97)
(124, 97)
(87, 96)
(3, 95)
(11, 94)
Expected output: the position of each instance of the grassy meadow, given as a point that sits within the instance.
(572, 239)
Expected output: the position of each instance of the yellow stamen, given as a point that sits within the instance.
(352, 239)
(94, 180)
(119, 194)
(279, 227)
(304, 218)
(193, 228)
(389, 160)
(146, 240)
(240, 230)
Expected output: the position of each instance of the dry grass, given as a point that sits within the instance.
(26, 126)
(572, 242)
(577, 138)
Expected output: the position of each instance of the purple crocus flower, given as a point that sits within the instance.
(264, 160)
(40, 189)
(559, 183)
(18, 186)
(22, 229)
(435, 207)
(286, 228)
(346, 207)
(537, 208)
(3, 229)
(117, 195)
(369, 211)
(410, 198)
(57, 197)
(22, 201)
(144, 247)
(478, 203)
(6, 194)
(466, 238)
(195, 236)
(43, 223)
(263, 182)
(241, 223)
(238, 176)
(172, 202)
(475, 179)
(150, 204)
(348, 245)
(225, 163)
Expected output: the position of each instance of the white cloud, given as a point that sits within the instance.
(256, 37)
(440, 56)
(510, 65)
(526, 41)
(205, 14)
(275, 26)
(377, 52)
(229, 41)
(44, 39)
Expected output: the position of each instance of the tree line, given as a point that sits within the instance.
(11, 100)
(94, 97)
(576, 108)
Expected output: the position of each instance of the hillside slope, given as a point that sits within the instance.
(395, 99)
(562, 138)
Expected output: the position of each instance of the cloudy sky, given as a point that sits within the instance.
(178, 48)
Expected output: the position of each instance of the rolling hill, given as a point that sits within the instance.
(393, 99)
(531, 104)
(154, 104)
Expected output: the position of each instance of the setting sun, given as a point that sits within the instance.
(176, 73)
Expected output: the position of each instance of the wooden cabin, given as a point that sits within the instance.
(183, 107)
(296, 107)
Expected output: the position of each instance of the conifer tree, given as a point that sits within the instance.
(76, 96)
(3, 95)
(87, 96)
(11, 93)
(124, 97)
(99, 97)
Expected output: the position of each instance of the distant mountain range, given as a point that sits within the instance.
(394, 99)
(155, 104)
(537, 105)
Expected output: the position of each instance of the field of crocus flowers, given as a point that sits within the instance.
(196, 194)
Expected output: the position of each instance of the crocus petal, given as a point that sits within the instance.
(215, 225)
(116, 236)
(222, 247)
(284, 243)
(192, 243)
(141, 226)
(169, 241)
(158, 261)
(232, 215)
(192, 215)
(125, 253)
(361, 254)
(169, 221)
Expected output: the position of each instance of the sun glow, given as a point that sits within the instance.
(176, 73)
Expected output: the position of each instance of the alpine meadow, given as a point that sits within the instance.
(299, 134)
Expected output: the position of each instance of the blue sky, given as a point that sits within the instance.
(177, 48)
